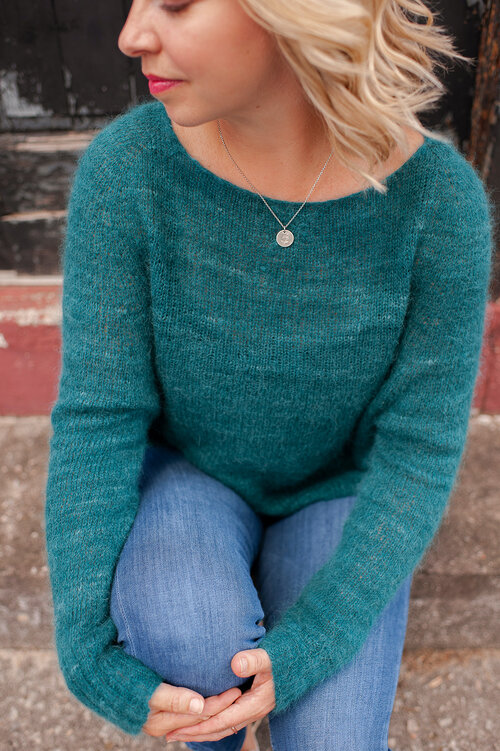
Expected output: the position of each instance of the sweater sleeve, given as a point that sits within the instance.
(106, 401)
(419, 421)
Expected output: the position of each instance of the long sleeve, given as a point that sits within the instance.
(107, 398)
(418, 421)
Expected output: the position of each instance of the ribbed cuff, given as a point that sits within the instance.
(117, 687)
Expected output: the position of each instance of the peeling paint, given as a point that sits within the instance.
(47, 215)
(14, 105)
(49, 316)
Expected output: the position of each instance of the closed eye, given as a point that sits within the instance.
(174, 8)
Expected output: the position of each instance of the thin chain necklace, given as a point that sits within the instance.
(285, 236)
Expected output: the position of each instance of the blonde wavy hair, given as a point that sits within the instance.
(367, 66)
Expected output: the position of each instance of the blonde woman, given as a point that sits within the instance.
(275, 284)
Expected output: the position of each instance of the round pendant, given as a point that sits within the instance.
(284, 238)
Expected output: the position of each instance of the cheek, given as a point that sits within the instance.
(243, 61)
(228, 53)
(237, 43)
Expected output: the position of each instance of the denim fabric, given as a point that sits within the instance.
(200, 570)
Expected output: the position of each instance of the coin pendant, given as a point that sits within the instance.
(284, 238)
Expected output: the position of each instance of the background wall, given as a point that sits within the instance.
(62, 77)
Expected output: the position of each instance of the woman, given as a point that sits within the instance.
(259, 423)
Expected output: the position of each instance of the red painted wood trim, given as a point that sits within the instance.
(487, 392)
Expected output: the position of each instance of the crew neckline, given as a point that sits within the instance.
(390, 181)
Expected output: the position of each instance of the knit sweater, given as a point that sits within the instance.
(344, 364)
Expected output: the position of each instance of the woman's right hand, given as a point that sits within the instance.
(169, 707)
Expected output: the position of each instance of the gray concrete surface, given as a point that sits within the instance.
(448, 696)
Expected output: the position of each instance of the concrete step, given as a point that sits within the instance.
(449, 685)
(455, 599)
(446, 700)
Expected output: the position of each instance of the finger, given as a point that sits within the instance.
(202, 738)
(243, 711)
(218, 702)
(162, 722)
(168, 698)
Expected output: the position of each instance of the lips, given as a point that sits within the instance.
(157, 87)
(158, 78)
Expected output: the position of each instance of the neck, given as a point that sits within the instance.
(265, 136)
(287, 153)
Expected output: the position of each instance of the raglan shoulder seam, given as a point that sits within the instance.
(461, 187)
(117, 149)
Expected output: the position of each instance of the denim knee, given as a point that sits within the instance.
(194, 649)
(182, 597)
(186, 626)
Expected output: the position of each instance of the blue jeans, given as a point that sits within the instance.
(198, 573)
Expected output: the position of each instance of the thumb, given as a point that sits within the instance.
(250, 661)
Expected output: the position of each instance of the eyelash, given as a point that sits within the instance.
(174, 8)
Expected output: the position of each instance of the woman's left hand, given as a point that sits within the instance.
(253, 704)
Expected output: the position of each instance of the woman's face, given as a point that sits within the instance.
(229, 64)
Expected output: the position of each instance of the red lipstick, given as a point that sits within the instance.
(156, 84)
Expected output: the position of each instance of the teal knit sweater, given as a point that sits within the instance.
(342, 365)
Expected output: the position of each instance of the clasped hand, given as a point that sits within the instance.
(170, 714)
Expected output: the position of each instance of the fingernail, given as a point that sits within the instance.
(243, 664)
(196, 706)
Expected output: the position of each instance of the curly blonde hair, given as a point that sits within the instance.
(367, 66)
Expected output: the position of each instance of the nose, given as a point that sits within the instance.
(137, 36)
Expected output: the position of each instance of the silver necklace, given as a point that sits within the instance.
(285, 236)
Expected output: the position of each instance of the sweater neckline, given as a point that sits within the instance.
(210, 178)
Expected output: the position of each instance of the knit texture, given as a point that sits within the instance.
(342, 365)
